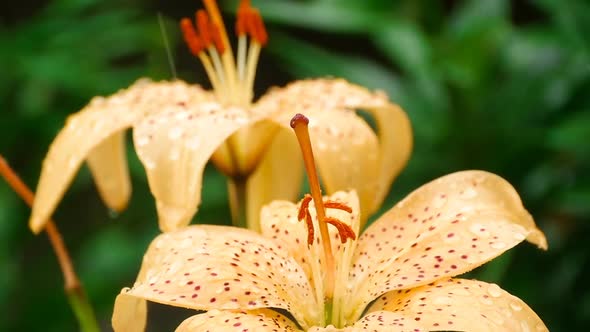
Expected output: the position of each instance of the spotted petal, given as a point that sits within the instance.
(349, 155)
(461, 305)
(447, 227)
(216, 267)
(239, 321)
(92, 133)
(174, 145)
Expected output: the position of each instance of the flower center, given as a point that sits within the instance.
(299, 123)
(232, 80)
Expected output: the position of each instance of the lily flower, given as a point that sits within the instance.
(178, 128)
(396, 276)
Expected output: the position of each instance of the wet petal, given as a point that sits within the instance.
(174, 145)
(216, 267)
(108, 164)
(85, 130)
(221, 321)
(347, 149)
(461, 305)
(447, 227)
(395, 147)
(387, 321)
(129, 314)
(278, 177)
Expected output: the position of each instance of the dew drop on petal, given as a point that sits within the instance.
(468, 193)
(494, 290)
(142, 141)
(515, 306)
(519, 236)
(113, 214)
(498, 245)
(175, 133)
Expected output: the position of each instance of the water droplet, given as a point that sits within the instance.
(174, 154)
(113, 214)
(498, 245)
(519, 236)
(193, 143)
(442, 300)
(72, 162)
(515, 306)
(149, 164)
(439, 201)
(175, 133)
(142, 141)
(495, 290)
(479, 230)
(468, 193)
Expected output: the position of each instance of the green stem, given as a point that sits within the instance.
(238, 201)
(73, 288)
(82, 310)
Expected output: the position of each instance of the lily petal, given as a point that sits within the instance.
(174, 145)
(208, 267)
(349, 150)
(83, 134)
(395, 147)
(129, 314)
(447, 227)
(108, 164)
(461, 305)
(278, 177)
(239, 321)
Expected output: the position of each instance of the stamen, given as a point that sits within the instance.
(203, 26)
(338, 206)
(191, 38)
(343, 229)
(304, 213)
(303, 207)
(257, 29)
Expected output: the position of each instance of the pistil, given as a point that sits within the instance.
(299, 123)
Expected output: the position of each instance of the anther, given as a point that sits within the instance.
(343, 229)
(203, 26)
(190, 37)
(337, 206)
(304, 214)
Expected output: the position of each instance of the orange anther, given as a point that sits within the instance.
(242, 17)
(204, 27)
(310, 230)
(338, 206)
(304, 207)
(258, 29)
(190, 36)
(216, 37)
(344, 230)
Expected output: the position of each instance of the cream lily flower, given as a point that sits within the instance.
(395, 276)
(179, 127)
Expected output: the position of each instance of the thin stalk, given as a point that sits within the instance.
(238, 202)
(72, 285)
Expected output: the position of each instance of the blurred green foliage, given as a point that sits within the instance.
(489, 84)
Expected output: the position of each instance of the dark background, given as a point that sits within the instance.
(492, 84)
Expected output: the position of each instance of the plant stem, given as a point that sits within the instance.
(72, 285)
(238, 201)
